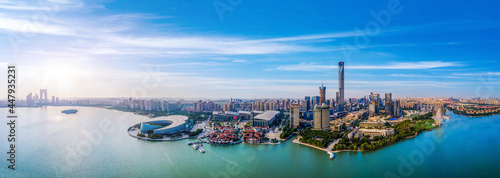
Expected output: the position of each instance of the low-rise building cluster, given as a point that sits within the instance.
(223, 135)
(253, 135)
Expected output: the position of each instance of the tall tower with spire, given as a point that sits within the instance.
(322, 90)
(340, 99)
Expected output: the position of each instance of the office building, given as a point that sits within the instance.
(388, 104)
(43, 95)
(307, 101)
(294, 115)
(396, 110)
(371, 109)
(315, 101)
(29, 100)
(332, 103)
(340, 98)
(322, 90)
(321, 117)
(337, 98)
(375, 97)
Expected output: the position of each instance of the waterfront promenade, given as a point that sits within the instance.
(327, 149)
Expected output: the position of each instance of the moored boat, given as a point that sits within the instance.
(331, 155)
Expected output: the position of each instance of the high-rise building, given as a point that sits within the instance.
(340, 99)
(371, 109)
(388, 104)
(337, 98)
(315, 101)
(322, 90)
(332, 103)
(294, 115)
(396, 106)
(43, 95)
(321, 117)
(287, 104)
(308, 103)
(375, 97)
(227, 107)
(29, 100)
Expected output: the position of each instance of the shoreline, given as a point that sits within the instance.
(471, 116)
(323, 149)
(160, 139)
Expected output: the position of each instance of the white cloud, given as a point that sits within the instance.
(479, 74)
(185, 64)
(398, 65)
(239, 60)
(25, 26)
(50, 5)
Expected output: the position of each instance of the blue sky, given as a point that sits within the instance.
(251, 49)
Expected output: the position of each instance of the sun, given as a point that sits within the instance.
(60, 77)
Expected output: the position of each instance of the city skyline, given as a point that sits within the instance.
(96, 49)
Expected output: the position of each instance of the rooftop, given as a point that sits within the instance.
(267, 115)
(173, 120)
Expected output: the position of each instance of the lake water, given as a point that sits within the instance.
(94, 143)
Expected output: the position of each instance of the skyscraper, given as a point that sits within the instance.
(332, 103)
(337, 98)
(322, 90)
(29, 100)
(340, 99)
(294, 115)
(315, 101)
(308, 103)
(375, 97)
(43, 95)
(371, 109)
(388, 104)
(396, 110)
(321, 117)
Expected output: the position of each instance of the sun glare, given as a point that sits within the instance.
(60, 77)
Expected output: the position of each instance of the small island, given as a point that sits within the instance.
(69, 111)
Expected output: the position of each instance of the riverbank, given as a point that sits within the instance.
(226, 144)
(475, 115)
(327, 149)
(465, 113)
(305, 144)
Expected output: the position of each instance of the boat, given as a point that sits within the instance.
(195, 147)
(69, 111)
(201, 150)
(332, 155)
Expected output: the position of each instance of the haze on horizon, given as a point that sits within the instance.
(259, 49)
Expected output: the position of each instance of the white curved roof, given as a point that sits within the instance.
(176, 120)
